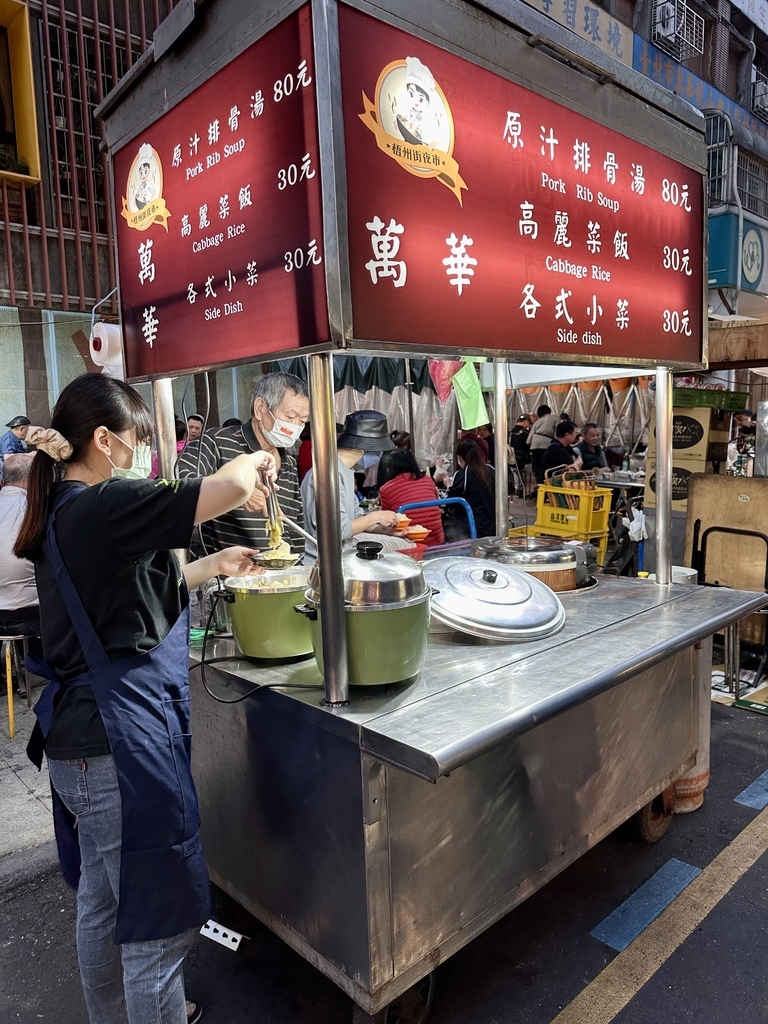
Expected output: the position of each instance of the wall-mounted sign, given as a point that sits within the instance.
(590, 22)
(483, 215)
(220, 236)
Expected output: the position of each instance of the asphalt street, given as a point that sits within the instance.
(538, 964)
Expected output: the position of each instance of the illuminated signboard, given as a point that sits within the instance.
(220, 237)
(484, 215)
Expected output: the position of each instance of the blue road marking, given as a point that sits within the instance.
(627, 921)
(756, 793)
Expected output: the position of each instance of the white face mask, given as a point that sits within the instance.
(141, 463)
(283, 433)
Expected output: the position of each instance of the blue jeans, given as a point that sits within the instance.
(141, 982)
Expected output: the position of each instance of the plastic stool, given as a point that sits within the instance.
(10, 652)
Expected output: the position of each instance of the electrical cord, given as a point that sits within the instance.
(215, 661)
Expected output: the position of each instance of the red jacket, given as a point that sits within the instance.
(402, 490)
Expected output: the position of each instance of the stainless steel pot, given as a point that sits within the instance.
(263, 620)
(495, 602)
(386, 605)
(562, 565)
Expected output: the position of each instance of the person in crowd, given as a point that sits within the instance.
(364, 431)
(304, 454)
(279, 410)
(181, 443)
(518, 440)
(485, 432)
(233, 421)
(745, 422)
(589, 448)
(13, 442)
(195, 426)
(401, 440)
(541, 433)
(19, 612)
(482, 444)
(561, 451)
(114, 722)
(474, 481)
(410, 484)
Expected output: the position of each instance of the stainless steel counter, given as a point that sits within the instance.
(473, 694)
(319, 820)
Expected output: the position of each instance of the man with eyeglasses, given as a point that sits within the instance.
(279, 410)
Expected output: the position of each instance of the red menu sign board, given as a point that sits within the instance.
(484, 215)
(220, 218)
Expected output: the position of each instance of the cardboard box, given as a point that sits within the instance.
(693, 432)
(682, 470)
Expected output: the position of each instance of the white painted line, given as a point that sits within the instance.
(619, 982)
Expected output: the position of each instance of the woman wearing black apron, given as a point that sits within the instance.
(114, 720)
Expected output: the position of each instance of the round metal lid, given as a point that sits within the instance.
(374, 578)
(274, 581)
(496, 603)
(527, 552)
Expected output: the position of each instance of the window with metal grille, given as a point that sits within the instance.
(74, 132)
(719, 153)
(752, 176)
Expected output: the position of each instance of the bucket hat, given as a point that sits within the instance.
(366, 431)
(18, 421)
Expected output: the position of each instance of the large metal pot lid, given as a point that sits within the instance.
(497, 603)
(530, 552)
(276, 581)
(374, 578)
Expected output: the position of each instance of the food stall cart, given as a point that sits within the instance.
(449, 179)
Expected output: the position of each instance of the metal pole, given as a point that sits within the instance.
(663, 475)
(325, 465)
(500, 422)
(409, 389)
(165, 426)
(165, 436)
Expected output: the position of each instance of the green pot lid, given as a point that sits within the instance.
(494, 602)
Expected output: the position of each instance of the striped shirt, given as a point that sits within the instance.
(217, 447)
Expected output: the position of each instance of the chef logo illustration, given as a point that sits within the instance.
(412, 123)
(143, 203)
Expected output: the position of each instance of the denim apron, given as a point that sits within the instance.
(144, 704)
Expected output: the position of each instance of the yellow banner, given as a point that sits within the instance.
(155, 212)
(422, 161)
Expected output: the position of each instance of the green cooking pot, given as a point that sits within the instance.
(263, 620)
(386, 611)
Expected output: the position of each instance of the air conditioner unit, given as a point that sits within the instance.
(666, 21)
(760, 99)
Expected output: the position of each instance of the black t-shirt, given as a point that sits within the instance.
(115, 539)
(481, 500)
(558, 454)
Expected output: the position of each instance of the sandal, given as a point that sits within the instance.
(195, 1014)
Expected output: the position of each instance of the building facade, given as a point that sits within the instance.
(58, 62)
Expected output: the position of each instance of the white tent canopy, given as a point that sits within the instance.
(525, 375)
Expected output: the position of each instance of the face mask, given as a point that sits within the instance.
(141, 463)
(283, 434)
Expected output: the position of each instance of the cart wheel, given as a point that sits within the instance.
(652, 821)
(228, 912)
(412, 1007)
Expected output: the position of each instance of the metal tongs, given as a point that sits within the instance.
(276, 521)
(274, 518)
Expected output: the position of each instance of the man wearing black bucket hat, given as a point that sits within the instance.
(12, 442)
(364, 431)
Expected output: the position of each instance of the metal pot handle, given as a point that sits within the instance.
(306, 609)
